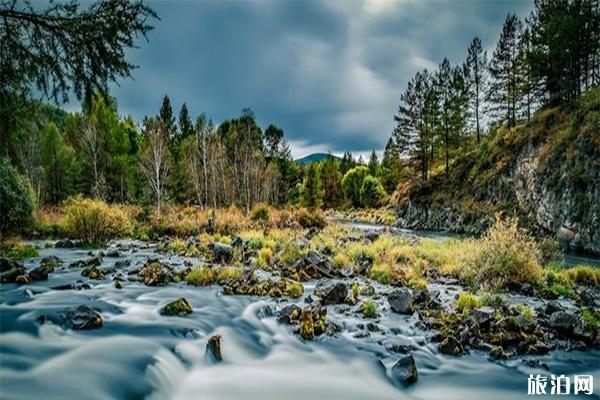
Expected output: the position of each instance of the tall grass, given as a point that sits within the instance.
(95, 222)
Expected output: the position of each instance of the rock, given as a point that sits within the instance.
(113, 253)
(307, 330)
(222, 253)
(405, 370)
(238, 242)
(397, 345)
(319, 315)
(50, 263)
(535, 364)
(372, 236)
(11, 275)
(39, 274)
(93, 272)
(553, 306)
(23, 279)
(180, 307)
(451, 346)
(64, 244)
(332, 328)
(401, 300)
(483, 316)
(122, 263)
(155, 274)
(8, 264)
(562, 322)
(289, 314)
(331, 292)
(83, 317)
(118, 285)
(213, 348)
(497, 353)
(367, 290)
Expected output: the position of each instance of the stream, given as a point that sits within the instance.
(140, 354)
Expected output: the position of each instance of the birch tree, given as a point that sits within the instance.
(156, 160)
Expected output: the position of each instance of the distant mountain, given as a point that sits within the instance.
(314, 157)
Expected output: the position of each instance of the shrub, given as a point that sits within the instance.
(591, 317)
(372, 193)
(201, 276)
(505, 254)
(352, 183)
(18, 251)
(94, 221)
(340, 260)
(550, 250)
(293, 289)
(16, 201)
(369, 309)
(584, 275)
(264, 257)
(229, 274)
(260, 213)
(466, 302)
(310, 219)
(177, 246)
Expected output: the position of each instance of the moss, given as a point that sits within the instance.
(293, 289)
(307, 330)
(178, 307)
(591, 317)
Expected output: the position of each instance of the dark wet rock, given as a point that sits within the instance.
(311, 232)
(94, 261)
(401, 300)
(553, 306)
(238, 242)
(39, 274)
(483, 316)
(371, 327)
(562, 322)
(331, 292)
(372, 236)
(398, 345)
(405, 370)
(222, 253)
(332, 328)
(451, 346)
(213, 348)
(180, 307)
(50, 263)
(367, 290)
(153, 273)
(11, 275)
(535, 364)
(497, 353)
(118, 285)
(23, 279)
(64, 244)
(7, 264)
(122, 263)
(72, 286)
(290, 314)
(347, 271)
(539, 348)
(83, 317)
(93, 272)
(113, 253)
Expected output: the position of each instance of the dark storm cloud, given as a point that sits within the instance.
(328, 73)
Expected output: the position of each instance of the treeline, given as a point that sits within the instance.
(548, 59)
(181, 160)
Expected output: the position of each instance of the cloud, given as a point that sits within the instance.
(329, 73)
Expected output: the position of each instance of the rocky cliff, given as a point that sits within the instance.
(545, 172)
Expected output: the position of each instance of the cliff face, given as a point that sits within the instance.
(546, 172)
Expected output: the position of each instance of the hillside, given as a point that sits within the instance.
(545, 172)
(315, 157)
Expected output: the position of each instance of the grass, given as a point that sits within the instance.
(202, 276)
(229, 274)
(591, 317)
(466, 302)
(17, 250)
(369, 309)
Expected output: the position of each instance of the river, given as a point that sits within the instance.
(141, 354)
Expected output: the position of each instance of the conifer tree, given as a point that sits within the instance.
(475, 75)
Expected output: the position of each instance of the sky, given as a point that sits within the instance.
(329, 73)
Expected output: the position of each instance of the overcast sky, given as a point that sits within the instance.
(329, 73)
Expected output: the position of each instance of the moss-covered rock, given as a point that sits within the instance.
(180, 307)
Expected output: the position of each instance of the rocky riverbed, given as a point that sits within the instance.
(120, 323)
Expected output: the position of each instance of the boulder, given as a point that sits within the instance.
(39, 274)
(398, 345)
(113, 253)
(180, 307)
(93, 272)
(11, 275)
(289, 314)
(50, 263)
(23, 279)
(401, 300)
(497, 353)
(64, 244)
(213, 349)
(483, 316)
(405, 370)
(451, 346)
(222, 253)
(331, 292)
(562, 322)
(153, 273)
(83, 317)
(7, 264)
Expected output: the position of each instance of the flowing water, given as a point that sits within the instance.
(141, 354)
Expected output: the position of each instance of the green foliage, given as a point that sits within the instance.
(372, 193)
(584, 275)
(330, 182)
(310, 218)
(311, 193)
(16, 201)
(95, 222)
(18, 251)
(466, 302)
(260, 213)
(591, 317)
(369, 309)
(353, 182)
(202, 276)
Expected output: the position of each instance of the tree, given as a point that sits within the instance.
(166, 117)
(504, 94)
(475, 75)
(273, 140)
(373, 164)
(16, 201)
(443, 81)
(311, 194)
(330, 181)
(62, 48)
(391, 166)
(352, 183)
(347, 162)
(186, 127)
(155, 161)
(57, 160)
(372, 193)
(565, 46)
(92, 143)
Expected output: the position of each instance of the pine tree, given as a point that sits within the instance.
(165, 116)
(373, 164)
(475, 74)
(186, 126)
(347, 162)
(311, 195)
(330, 182)
(391, 166)
(504, 92)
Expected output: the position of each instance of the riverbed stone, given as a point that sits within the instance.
(331, 292)
(483, 316)
(153, 273)
(307, 330)
(289, 314)
(401, 300)
(451, 346)
(11, 275)
(562, 322)
(180, 307)
(7, 264)
(83, 317)
(39, 273)
(50, 263)
(405, 370)
(222, 253)
(64, 244)
(213, 349)
(23, 279)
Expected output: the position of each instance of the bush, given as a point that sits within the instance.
(352, 183)
(95, 222)
(505, 254)
(16, 201)
(584, 275)
(260, 213)
(372, 193)
(369, 309)
(201, 276)
(466, 302)
(310, 219)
